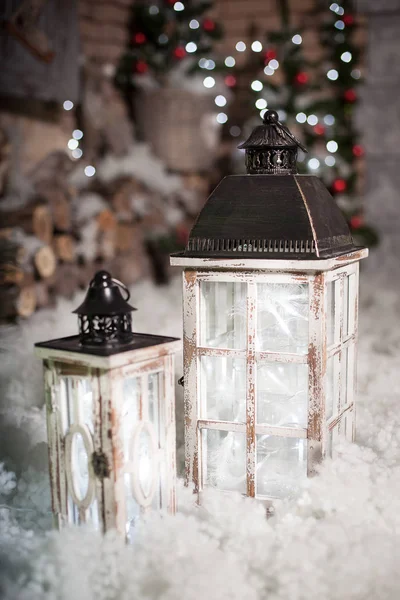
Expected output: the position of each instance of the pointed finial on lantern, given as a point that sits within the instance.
(105, 315)
(271, 148)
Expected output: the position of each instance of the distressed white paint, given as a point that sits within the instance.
(316, 274)
(317, 342)
(109, 362)
(269, 264)
(106, 380)
(191, 305)
(251, 387)
(143, 499)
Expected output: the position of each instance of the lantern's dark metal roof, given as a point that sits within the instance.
(272, 212)
(73, 344)
(271, 133)
(271, 148)
(104, 297)
(270, 216)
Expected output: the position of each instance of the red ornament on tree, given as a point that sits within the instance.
(301, 78)
(208, 25)
(348, 20)
(350, 96)
(319, 129)
(139, 38)
(339, 185)
(269, 55)
(356, 221)
(230, 80)
(179, 52)
(141, 67)
(358, 150)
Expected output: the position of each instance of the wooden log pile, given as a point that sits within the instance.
(51, 246)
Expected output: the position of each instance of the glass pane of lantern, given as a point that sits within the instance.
(348, 423)
(224, 460)
(334, 440)
(343, 378)
(65, 403)
(79, 466)
(332, 386)
(223, 388)
(282, 317)
(146, 462)
(76, 403)
(328, 452)
(281, 465)
(85, 395)
(130, 418)
(130, 410)
(91, 516)
(345, 306)
(282, 394)
(223, 315)
(350, 374)
(76, 396)
(155, 386)
(153, 399)
(133, 514)
(332, 313)
(352, 308)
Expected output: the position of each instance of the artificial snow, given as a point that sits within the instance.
(338, 541)
(141, 163)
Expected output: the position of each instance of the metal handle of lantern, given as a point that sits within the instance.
(122, 286)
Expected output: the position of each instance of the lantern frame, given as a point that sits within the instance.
(321, 432)
(107, 369)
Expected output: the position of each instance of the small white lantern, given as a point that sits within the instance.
(270, 325)
(110, 415)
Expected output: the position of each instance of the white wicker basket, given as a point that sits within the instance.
(180, 127)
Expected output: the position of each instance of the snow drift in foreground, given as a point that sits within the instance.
(338, 541)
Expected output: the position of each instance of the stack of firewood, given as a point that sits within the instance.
(52, 245)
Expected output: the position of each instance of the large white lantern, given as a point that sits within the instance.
(110, 415)
(270, 325)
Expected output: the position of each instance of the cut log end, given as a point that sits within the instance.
(26, 302)
(17, 302)
(42, 223)
(65, 247)
(45, 262)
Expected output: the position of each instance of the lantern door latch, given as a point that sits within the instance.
(100, 465)
(181, 381)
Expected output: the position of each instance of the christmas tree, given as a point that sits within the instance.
(321, 96)
(163, 33)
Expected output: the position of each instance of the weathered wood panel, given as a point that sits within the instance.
(25, 76)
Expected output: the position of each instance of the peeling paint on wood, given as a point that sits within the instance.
(190, 316)
(316, 358)
(251, 369)
(106, 441)
(268, 265)
(316, 371)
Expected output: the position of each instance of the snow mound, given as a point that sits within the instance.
(338, 541)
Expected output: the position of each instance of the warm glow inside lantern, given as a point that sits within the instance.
(110, 415)
(270, 325)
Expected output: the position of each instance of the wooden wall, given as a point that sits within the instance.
(104, 29)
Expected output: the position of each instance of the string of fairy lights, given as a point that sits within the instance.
(74, 141)
(221, 101)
